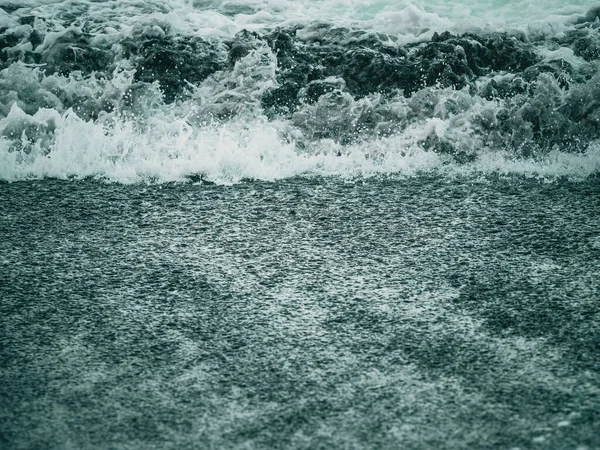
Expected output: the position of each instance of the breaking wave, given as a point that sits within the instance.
(220, 91)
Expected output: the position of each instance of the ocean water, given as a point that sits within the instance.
(274, 224)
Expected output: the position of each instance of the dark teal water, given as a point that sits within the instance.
(315, 313)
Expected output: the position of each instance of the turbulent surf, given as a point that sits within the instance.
(227, 91)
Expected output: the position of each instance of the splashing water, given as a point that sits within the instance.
(268, 90)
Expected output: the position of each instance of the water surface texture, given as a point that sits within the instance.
(299, 225)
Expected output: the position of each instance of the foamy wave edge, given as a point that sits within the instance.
(241, 150)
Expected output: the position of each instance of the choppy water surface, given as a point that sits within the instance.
(308, 313)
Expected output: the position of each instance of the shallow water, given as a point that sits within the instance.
(308, 313)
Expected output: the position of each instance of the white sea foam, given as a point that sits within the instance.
(408, 19)
(228, 153)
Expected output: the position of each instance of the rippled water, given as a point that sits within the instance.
(413, 313)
